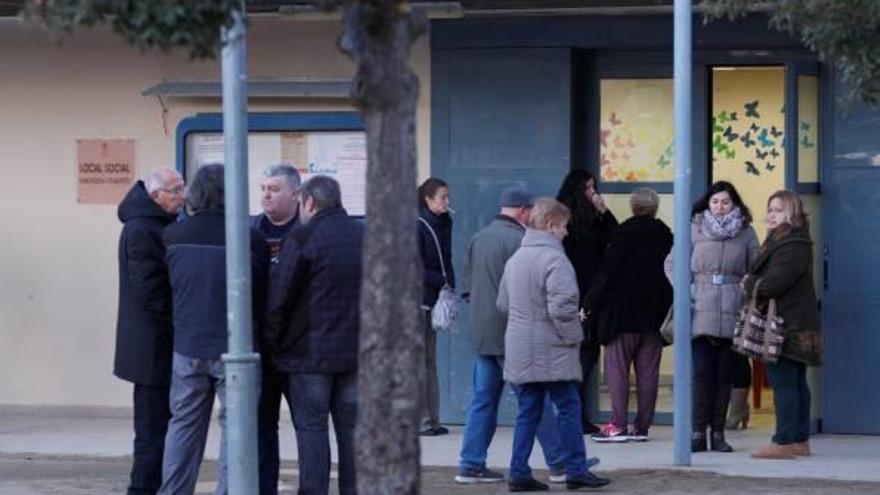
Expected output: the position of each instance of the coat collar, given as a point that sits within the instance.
(540, 238)
(798, 236)
(506, 220)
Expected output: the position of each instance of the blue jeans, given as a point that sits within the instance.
(273, 386)
(532, 402)
(194, 382)
(791, 399)
(482, 418)
(313, 398)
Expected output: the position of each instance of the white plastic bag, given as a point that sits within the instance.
(445, 312)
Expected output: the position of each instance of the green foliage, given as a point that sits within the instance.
(193, 25)
(845, 32)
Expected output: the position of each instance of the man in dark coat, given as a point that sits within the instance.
(279, 190)
(313, 329)
(196, 257)
(143, 327)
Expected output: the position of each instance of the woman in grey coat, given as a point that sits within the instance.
(538, 293)
(724, 247)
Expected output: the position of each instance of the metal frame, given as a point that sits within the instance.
(265, 122)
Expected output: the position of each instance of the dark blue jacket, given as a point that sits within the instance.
(313, 315)
(442, 225)
(143, 324)
(196, 254)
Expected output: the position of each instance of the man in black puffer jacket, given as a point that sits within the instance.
(143, 328)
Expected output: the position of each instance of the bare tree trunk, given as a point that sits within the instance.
(378, 35)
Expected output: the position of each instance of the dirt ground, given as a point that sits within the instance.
(27, 475)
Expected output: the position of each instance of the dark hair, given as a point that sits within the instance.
(323, 190)
(702, 204)
(571, 194)
(206, 191)
(429, 188)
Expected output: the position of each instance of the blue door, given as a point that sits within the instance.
(851, 275)
(501, 117)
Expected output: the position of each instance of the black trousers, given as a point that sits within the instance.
(151, 415)
(712, 382)
(589, 356)
(272, 387)
(740, 371)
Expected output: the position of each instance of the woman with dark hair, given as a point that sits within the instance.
(589, 231)
(435, 228)
(724, 247)
(784, 272)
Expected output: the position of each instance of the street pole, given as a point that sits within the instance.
(683, 69)
(241, 362)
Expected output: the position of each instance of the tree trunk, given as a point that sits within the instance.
(378, 35)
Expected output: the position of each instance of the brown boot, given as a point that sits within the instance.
(801, 448)
(775, 451)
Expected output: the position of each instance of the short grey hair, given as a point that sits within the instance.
(644, 202)
(155, 180)
(206, 191)
(323, 190)
(290, 174)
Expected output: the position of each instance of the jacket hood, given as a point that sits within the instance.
(540, 238)
(643, 227)
(138, 203)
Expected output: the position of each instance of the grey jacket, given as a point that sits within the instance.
(488, 251)
(539, 295)
(717, 266)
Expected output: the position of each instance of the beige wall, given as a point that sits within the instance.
(58, 273)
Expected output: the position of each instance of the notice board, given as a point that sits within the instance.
(105, 170)
(338, 154)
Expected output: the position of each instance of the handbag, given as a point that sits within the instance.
(759, 335)
(667, 329)
(444, 314)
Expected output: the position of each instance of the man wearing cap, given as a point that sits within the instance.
(487, 254)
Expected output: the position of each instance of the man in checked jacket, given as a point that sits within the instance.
(313, 324)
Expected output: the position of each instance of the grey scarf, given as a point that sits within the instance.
(723, 227)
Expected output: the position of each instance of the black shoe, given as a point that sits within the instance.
(586, 480)
(590, 428)
(717, 442)
(698, 441)
(434, 432)
(527, 485)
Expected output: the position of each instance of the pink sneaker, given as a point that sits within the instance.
(610, 434)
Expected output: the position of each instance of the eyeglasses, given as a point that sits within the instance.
(177, 191)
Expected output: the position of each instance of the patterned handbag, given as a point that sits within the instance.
(758, 335)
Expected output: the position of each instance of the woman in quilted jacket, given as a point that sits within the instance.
(724, 247)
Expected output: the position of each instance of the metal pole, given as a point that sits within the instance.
(682, 420)
(242, 364)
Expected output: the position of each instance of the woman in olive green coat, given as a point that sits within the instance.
(785, 271)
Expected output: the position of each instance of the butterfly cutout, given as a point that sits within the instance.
(614, 120)
(775, 132)
(754, 127)
(603, 137)
(752, 169)
(765, 141)
(663, 161)
(769, 167)
(631, 177)
(752, 109)
(730, 135)
(604, 159)
(730, 153)
(805, 141)
(733, 116)
(761, 154)
(747, 140)
(805, 126)
(774, 153)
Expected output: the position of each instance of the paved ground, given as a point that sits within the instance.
(77, 475)
(75, 454)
